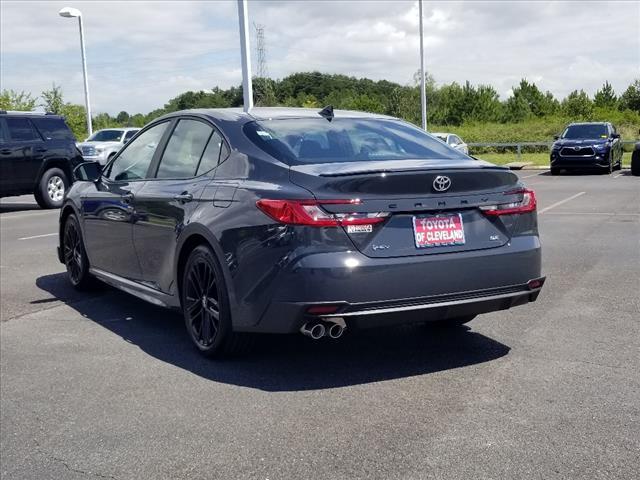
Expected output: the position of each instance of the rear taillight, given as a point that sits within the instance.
(526, 205)
(311, 213)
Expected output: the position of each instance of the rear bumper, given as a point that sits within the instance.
(373, 292)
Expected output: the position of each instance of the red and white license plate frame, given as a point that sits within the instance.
(444, 230)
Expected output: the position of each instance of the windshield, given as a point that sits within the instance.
(106, 136)
(316, 140)
(586, 131)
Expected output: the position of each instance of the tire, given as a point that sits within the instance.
(635, 163)
(205, 306)
(554, 171)
(51, 188)
(451, 322)
(75, 256)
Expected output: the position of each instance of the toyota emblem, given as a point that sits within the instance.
(441, 183)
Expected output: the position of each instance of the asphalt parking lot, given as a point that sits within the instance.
(103, 385)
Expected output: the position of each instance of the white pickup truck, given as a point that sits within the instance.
(104, 144)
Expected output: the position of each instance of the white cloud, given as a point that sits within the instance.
(140, 54)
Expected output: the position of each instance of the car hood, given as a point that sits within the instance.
(99, 144)
(580, 142)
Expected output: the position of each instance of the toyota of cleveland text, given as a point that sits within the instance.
(298, 220)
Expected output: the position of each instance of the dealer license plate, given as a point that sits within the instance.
(438, 231)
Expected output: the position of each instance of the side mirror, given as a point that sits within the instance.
(615, 135)
(88, 171)
(556, 137)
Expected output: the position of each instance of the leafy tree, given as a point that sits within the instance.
(578, 105)
(53, 101)
(104, 120)
(539, 103)
(605, 97)
(13, 100)
(76, 118)
(630, 99)
(517, 109)
(123, 118)
(264, 94)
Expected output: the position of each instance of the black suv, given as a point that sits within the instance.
(37, 155)
(587, 145)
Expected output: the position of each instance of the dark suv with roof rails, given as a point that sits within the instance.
(37, 155)
(587, 145)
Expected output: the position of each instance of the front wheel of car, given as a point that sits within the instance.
(75, 256)
(205, 306)
(51, 188)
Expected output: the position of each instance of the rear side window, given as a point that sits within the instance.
(20, 129)
(184, 149)
(215, 152)
(53, 128)
(311, 140)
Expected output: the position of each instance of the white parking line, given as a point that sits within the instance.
(8, 215)
(619, 174)
(557, 204)
(534, 174)
(608, 214)
(39, 236)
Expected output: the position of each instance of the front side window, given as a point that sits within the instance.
(129, 135)
(311, 140)
(184, 149)
(133, 163)
(20, 129)
(106, 136)
(53, 128)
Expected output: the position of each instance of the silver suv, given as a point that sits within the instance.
(104, 144)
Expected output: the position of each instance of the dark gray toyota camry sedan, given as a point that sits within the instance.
(299, 220)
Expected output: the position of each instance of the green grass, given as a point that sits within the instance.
(539, 159)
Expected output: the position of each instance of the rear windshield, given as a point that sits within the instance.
(106, 136)
(53, 128)
(316, 140)
(586, 131)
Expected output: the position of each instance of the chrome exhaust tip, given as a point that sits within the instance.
(335, 331)
(315, 330)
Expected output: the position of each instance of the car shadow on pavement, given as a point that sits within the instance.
(284, 362)
(8, 207)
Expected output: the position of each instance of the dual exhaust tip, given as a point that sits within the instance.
(318, 329)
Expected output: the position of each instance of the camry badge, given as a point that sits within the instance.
(441, 183)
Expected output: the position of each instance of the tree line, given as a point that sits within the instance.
(456, 107)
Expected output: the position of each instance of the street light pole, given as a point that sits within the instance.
(68, 12)
(423, 86)
(247, 87)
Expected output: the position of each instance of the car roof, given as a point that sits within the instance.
(588, 123)
(440, 134)
(125, 129)
(29, 114)
(266, 113)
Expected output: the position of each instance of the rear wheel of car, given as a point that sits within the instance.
(205, 306)
(451, 322)
(51, 188)
(555, 171)
(75, 256)
(635, 163)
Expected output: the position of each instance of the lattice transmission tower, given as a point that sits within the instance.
(261, 52)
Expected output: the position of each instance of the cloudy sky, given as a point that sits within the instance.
(140, 54)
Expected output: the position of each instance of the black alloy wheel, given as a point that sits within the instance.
(202, 302)
(206, 306)
(75, 258)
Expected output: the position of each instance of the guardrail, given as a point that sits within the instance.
(518, 145)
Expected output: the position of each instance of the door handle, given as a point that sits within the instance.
(41, 149)
(5, 151)
(183, 197)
